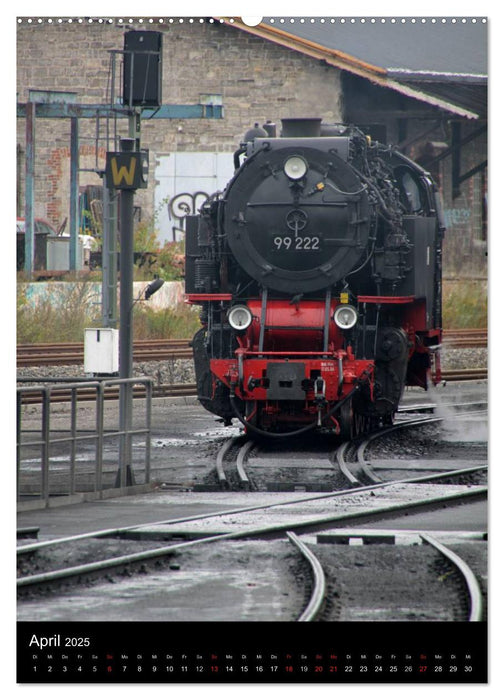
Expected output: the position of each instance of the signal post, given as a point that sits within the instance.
(126, 170)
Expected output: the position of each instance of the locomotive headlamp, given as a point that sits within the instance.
(295, 167)
(345, 317)
(239, 317)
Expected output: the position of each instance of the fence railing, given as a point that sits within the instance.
(51, 445)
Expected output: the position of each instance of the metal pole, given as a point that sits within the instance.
(30, 189)
(74, 192)
(18, 442)
(105, 255)
(134, 127)
(125, 476)
(100, 397)
(46, 434)
(73, 431)
(109, 257)
(148, 420)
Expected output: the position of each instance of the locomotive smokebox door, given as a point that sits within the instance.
(285, 381)
(297, 218)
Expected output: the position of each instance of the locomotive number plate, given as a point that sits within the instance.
(303, 244)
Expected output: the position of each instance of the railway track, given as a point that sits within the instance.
(465, 338)
(134, 563)
(334, 518)
(59, 395)
(234, 453)
(244, 464)
(360, 470)
(41, 354)
(424, 596)
(168, 390)
(350, 486)
(214, 525)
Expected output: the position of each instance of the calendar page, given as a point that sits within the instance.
(252, 420)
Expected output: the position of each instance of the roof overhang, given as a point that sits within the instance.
(375, 74)
(421, 76)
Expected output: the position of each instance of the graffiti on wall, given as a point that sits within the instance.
(184, 180)
(459, 216)
(181, 205)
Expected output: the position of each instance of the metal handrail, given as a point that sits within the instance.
(47, 440)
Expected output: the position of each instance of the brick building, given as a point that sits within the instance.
(260, 73)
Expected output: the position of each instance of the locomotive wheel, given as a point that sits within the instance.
(388, 389)
(214, 398)
(387, 419)
(365, 424)
(392, 345)
(347, 422)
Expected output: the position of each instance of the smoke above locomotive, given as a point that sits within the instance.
(318, 271)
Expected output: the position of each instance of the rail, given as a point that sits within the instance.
(61, 394)
(465, 337)
(38, 455)
(319, 583)
(32, 395)
(32, 354)
(474, 592)
(278, 529)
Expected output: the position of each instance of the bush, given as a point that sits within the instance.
(63, 316)
(181, 322)
(167, 261)
(171, 261)
(66, 312)
(60, 317)
(465, 304)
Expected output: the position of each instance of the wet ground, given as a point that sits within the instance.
(249, 580)
(185, 439)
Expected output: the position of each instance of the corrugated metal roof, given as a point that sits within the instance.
(443, 64)
(467, 96)
(450, 48)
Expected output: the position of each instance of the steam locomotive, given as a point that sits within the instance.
(318, 273)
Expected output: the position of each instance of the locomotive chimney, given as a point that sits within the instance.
(270, 128)
(299, 127)
(254, 133)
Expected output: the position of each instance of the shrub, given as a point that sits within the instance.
(181, 322)
(61, 316)
(465, 304)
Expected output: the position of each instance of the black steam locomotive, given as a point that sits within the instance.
(318, 271)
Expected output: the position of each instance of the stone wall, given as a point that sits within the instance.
(465, 242)
(257, 79)
(466, 239)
